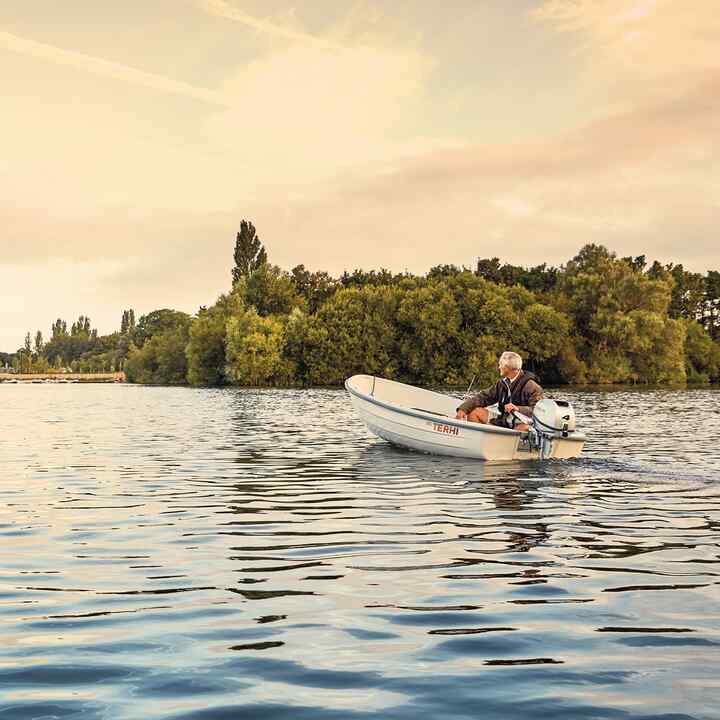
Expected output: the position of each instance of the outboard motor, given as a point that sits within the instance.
(554, 417)
(551, 419)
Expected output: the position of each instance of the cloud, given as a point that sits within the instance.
(223, 9)
(315, 110)
(641, 181)
(107, 69)
(305, 115)
(362, 22)
(643, 40)
(335, 152)
(634, 180)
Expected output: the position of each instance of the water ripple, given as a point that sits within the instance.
(211, 554)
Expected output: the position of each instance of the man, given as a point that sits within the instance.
(516, 390)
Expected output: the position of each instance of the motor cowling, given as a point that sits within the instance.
(554, 417)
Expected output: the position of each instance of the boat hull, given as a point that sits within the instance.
(422, 420)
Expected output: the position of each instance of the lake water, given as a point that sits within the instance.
(224, 554)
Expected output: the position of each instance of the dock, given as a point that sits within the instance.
(113, 377)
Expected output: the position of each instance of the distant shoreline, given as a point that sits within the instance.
(119, 377)
(55, 377)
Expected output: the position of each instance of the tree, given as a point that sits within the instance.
(637, 263)
(429, 322)
(442, 271)
(205, 350)
(59, 329)
(702, 355)
(361, 278)
(546, 341)
(81, 327)
(711, 306)
(539, 279)
(599, 318)
(127, 325)
(270, 290)
(489, 268)
(354, 332)
(621, 314)
(249, 252)
(8, 359)
(295, 332)
(161, 360)
(38, 343)
(688, 289)
(315, 287)
(157, 322)
(688, 294)
(254, 350)
(25, 356)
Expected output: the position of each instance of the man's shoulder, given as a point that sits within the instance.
(533, 384)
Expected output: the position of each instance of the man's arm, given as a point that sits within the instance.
(484, 398)
(533, 394)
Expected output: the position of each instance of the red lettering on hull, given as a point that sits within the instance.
(447, 429)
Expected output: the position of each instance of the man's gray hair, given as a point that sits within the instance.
(511, 360)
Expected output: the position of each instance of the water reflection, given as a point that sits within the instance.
(179, 553)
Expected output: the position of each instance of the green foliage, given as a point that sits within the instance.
(39, 344)
(270, 290)
(81, 327)
(621, 314)
(599, 319)
(7, 359)
(545, 334)
(294, 350)
(702, 354)
(205, 350)
(249, 252)
(429, 326)
(362, 278)
(59, 328)
(315, 287)
(66, 347)
(254, 350)
(596, 282)
(438, 272)
(160, 360)
(127, 323)
(657, 350)
(354, 332)
(540, 279)
(710, 312)
(158, 322)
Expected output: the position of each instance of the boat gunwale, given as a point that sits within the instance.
(476, 427)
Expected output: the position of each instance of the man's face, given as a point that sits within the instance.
(505, 371)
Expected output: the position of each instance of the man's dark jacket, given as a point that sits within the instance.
(524, 391)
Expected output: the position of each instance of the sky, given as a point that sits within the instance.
(135, 135)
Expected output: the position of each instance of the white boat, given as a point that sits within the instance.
(424, 420)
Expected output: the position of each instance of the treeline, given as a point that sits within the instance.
(79, 347)
(597, 319)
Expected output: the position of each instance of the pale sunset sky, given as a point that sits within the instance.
(135, 135)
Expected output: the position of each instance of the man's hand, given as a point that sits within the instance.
(461, 415)
(510, 408)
